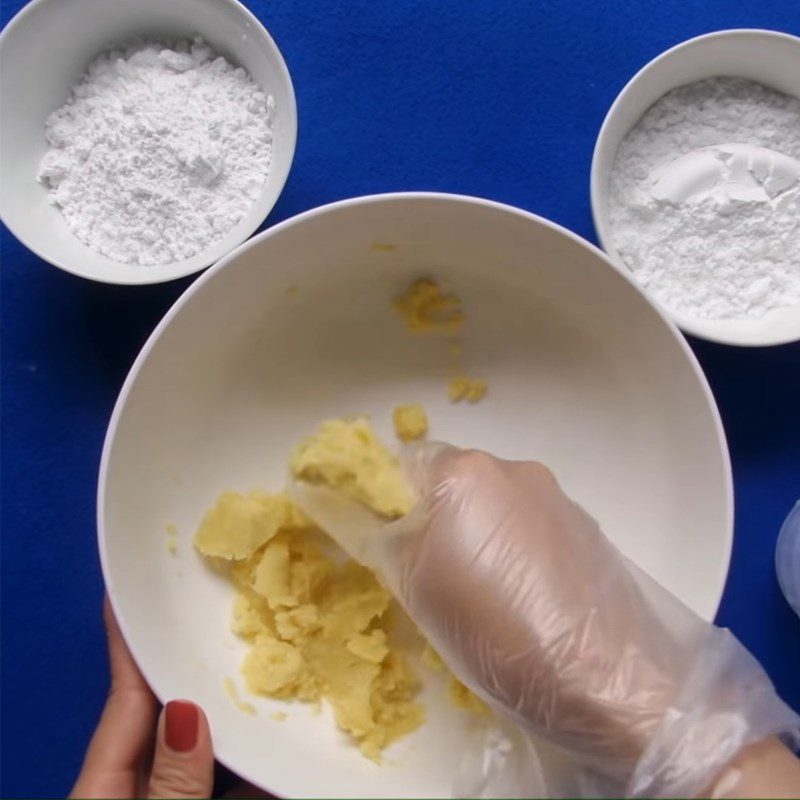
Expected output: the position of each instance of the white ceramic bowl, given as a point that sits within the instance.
(770, 58)
(43, 53)
(584, 374)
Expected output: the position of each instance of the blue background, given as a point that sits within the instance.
(499, 99)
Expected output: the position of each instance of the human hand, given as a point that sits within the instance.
(537, 612)
(137, 752)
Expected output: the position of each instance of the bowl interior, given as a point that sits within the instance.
(43, 53)
(584, 374)
(772, 59)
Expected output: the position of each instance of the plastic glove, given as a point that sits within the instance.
(537, 612)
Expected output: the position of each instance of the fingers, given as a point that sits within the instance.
(113, 765)
(183, 765)
(421, 463)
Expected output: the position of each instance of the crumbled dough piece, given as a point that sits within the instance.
(275, 667)
(233, 696)
(425, 307)
(470, 389)
(172, 538)
(371, 647)
(239, 524)
(278, 716)
(410, 422)
(432, 659)
(460, 695)
(464, 698)
(317, 629)
(272, 578)
(347, 455)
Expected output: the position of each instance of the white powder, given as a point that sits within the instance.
(158, 152)
(715, 232)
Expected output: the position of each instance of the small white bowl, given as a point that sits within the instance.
(584, 374)
(43, 53)
(767, 57)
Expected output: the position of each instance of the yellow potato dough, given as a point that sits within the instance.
(410, 422)
(317, 629)
(233, 696)
(459, 694)
(239, 524)
(424, 307)
(320, 629)
(347, 455)
(463, 698)
(272, 577)
(274, 667)
(470, 389)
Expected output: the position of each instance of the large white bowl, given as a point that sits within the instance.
(44, 51)
(585, 374)
(764, 56)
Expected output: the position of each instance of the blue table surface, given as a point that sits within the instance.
(499, 99)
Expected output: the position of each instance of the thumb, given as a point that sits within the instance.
(183, 764)
(423, 465)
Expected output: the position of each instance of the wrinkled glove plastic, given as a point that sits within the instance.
(537, 612)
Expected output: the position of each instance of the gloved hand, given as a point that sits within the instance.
(537, 612)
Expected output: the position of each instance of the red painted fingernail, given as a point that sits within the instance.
(181, 724)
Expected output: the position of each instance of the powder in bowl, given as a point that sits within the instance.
(159, 151)
(704, 203)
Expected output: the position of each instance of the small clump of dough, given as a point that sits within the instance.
(172, 538)
(463, 698)
(233, 696)
(410, 422)
(424, 307)
(238, 525)
(346, 455)
(465, 388)
(459, 694)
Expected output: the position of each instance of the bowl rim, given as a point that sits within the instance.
(119, 407)
(598, 203)
(203, 263)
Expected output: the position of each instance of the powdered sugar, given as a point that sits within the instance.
(705, 199)
(159, 151)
